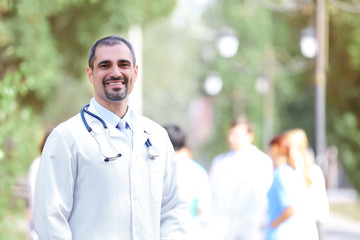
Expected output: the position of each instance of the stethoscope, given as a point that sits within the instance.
(153, 152)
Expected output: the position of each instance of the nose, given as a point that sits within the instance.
(115, 73)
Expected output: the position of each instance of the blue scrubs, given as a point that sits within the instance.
(285, 191)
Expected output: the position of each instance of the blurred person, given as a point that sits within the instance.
(31, 185)
(240, 179)
(193, 174)
(107, 173)
(315, 202)
(195, 179)
(285, 195)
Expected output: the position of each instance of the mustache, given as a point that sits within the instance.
(116, 79)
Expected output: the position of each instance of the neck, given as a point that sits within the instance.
(279, 161)
(292, 164)
(184, 152)
(117, 107)
(238, 147)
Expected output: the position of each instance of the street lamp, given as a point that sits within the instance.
(213, 84)
(315, 46)
(320, 81)
(320, 66)
(308, 43)
(227, 44)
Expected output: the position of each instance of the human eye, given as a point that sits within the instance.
(104, 65)
(124, 64)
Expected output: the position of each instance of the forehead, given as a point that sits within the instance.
(239, 128)
(112, 53)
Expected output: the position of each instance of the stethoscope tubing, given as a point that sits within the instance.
(153, 152)
(84, 109)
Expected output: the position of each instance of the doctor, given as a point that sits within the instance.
(240, 179)
(101, 179)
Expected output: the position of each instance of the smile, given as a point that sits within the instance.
(115, 83)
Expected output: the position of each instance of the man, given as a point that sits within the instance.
(240, 180)
(197, 189)
(107, 173)
(196, 183)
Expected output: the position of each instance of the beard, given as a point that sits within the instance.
(116, 94)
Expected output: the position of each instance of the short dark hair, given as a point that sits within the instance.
(109, 41)
(242, 119)
(176, 135)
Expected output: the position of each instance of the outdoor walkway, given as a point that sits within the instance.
(340, 227)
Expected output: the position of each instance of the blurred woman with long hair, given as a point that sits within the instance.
(315, 202)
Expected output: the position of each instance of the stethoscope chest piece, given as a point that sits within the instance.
(153, 152)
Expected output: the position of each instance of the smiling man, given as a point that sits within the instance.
(108, 173)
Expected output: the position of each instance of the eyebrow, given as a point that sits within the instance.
(108, 61)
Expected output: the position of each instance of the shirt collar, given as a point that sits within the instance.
(111, 117)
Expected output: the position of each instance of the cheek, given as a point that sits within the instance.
(232, 138)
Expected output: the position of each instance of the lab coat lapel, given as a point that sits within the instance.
(139, 136)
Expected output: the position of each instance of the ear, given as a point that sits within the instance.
(251, 137)
(90, 74)
(136, 70)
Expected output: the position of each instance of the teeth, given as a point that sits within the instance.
(116, 84)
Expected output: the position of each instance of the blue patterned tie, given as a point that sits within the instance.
(122, 126)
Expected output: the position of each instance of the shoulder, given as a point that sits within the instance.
(316, 173)
(150, 126)
(260, 157)
(224, 160)
(153, 129)
(315, 169)
(257, 151)
(197, 166)
(72, 127)
(224, 156)
(71, 123)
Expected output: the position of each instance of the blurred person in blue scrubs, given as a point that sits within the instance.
(108, 173)
(240, 179)
(192, 173)
(285, 213)
(196, 182)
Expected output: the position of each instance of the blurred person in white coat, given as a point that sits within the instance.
(107, 173)
(315, 202)
(31, 185)
(240, 179)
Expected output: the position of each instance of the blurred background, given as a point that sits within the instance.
(284, 63)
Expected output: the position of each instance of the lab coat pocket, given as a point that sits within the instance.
(156, 184)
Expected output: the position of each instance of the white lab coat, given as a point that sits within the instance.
(79, 196)
(240, 181)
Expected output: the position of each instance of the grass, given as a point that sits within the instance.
(14, 228)
(351, 210)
